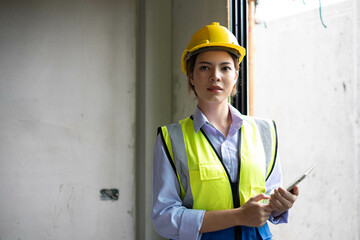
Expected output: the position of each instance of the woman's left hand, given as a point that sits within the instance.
(282, 200)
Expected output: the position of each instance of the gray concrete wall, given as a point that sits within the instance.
(83, 87)
(85, 84)
(306, 79)
(154, 100)
(67, 113)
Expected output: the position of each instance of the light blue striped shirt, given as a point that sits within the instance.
(170, 218)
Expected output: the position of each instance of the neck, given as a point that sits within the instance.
(218, 115)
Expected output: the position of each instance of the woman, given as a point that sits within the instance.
(212, 170)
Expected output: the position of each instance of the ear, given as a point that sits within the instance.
(233, 92)
(236, 76)
(191, 79)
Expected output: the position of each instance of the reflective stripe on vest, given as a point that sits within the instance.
(204, 181)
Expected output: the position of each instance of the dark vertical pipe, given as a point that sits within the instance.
(238, 25)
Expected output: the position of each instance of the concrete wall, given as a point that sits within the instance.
(67, 114)
(85, 84)
(154, 100)
(83, 87)
(306, 79)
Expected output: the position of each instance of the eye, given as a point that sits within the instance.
(204, 67)
(226, 68)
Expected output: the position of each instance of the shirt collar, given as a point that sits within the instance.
(199, 119)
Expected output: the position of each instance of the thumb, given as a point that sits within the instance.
(259, 197)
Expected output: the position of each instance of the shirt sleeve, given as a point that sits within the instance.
(274, 181)
(170, 218)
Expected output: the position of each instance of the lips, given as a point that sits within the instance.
(214, 89)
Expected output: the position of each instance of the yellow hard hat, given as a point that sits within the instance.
(212, 36)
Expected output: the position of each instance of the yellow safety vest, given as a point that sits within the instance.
(204, 181)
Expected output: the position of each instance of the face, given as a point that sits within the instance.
(214, 77)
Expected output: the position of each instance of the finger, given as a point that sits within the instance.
(268, 209)
(278, 202)
(287, 196)
(276, 205)
(283, 203)
(295, 191)
(259, 197)
(266, 217)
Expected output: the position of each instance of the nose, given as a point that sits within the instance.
(215, 75)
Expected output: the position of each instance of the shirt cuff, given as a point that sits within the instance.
(191, 222)
(282, 218)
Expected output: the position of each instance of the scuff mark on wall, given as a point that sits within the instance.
(131, 212)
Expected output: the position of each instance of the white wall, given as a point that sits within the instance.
(67, 113)
(306, 79)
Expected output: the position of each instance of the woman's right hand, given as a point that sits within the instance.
(253, 213)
